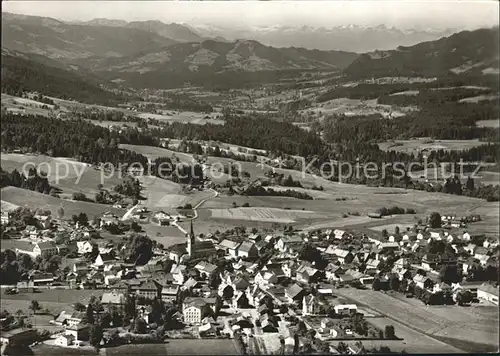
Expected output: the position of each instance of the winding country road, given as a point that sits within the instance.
(216, 194)
(174, 223)
(129, 212)
(181, 229)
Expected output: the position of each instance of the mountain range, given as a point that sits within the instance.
(159, 55)
(173, 31)
(62, 41)
(352, 38)
(149, 46)
(467, 53)
(209, 61)
(241, 55)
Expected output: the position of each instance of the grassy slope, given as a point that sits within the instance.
(31, 199)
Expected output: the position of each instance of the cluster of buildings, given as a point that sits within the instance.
(261, 295)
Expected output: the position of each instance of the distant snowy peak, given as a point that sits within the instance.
(352, 37)
(104, 22)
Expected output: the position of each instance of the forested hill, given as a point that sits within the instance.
(21, 73)
(77, 139)
(467, 52)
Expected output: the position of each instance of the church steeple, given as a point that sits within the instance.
(190, 240)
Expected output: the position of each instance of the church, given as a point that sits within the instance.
(192, 249)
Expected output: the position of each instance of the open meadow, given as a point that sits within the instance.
(162, 194)
(413, 341)
(53, 300)
(66, 174)
(153, 152)
(50, 350)
(357, 107)
(338, 200)
(206, 224)
(178, 347)
(439, 174)
(264, 214)
(63, 296)
(171, 116)
(345, 198)
(488, 123)
(165, 235)
(477, 324)
(113, 124)
(213, 172)
(184, 116)
(24, 105)
(30, 199)
(421, 144)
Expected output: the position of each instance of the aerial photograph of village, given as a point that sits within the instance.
(249, 177)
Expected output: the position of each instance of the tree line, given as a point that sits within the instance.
(36, 181)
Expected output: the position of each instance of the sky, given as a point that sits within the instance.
(457, 14)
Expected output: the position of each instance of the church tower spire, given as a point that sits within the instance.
(190, 240)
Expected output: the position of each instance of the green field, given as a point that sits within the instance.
(155, 152)
(166, 235)
(420, 144)
(360, 200)
(201, 347)
(49, 350)
(413, 342)
(162, 194)
(63, 296)
(488, 123)
(476, 323)
(35, 200)
(178, 347)
(183, 116)
(66, 174)
(54, 300)
(485, 176)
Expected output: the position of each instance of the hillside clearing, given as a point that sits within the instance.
(264, 214)
(30, 199)
(64, 173)
(478, 324)
(421, 144)
(178, 347)
(488, 123)
(6, 206)
(184, 116)
(164, 194)
(153, 152)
